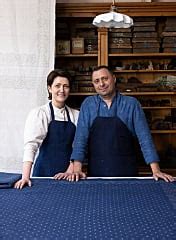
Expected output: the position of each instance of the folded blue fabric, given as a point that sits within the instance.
(7, 180)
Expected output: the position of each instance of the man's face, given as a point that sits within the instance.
(104, 82)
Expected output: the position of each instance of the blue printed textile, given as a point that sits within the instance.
(7, 180)
(89, 210)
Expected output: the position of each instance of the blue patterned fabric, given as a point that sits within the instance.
(89, 209)
(7, 180)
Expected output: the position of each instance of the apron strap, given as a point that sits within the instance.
(68, 115)
(52, 111)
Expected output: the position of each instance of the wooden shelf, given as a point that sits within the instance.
(142, 55)
(77, 55)
(146, 171)
(126, 93)
(132, 9)
(163, 131)
(155, 108)
(144, 71)
(147, 93)
(82, 94)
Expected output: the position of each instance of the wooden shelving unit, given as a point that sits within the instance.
(74, 13)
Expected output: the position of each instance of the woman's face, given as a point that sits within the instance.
(59, 90)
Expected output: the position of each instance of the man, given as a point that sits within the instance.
(107, 126)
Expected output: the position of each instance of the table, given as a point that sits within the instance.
(109, 208)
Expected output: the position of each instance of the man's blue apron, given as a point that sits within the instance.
(111, 148)
(55, 151)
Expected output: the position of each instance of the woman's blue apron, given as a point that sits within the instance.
(55, 151)
(111, 148)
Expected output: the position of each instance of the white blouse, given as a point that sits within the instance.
(36, 127)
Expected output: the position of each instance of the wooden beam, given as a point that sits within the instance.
(131, 9)
(102, 46)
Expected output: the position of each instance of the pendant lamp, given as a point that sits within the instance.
(113, 19)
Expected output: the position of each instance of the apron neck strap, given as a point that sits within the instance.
(52, 112)
(68, 115)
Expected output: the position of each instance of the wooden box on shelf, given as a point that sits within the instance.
(63, 47)
(77, 45)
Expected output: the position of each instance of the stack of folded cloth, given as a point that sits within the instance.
(7, 180)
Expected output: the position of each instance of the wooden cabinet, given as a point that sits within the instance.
(144, 75)
(81, 55)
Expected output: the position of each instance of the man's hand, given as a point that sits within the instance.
(166, 177)
(77, 172)
(158, 174)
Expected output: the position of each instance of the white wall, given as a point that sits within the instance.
(26, 56)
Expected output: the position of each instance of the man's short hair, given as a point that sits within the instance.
(102, 67)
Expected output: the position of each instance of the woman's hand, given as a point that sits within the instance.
(25, 176)
(76, 176)
(73, 173)
(22, 183)
(66, 174)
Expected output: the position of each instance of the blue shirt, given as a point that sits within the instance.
(128, 109)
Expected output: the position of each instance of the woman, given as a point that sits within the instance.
(50, 131)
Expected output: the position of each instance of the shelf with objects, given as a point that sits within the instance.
(160, 111)
(77, 52)
(142, 58)
(144, 63)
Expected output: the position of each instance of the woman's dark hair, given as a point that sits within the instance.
(57, 73)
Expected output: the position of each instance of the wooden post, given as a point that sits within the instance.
(102, 46)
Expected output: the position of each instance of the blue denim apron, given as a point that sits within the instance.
(55, 151)
(111, 148)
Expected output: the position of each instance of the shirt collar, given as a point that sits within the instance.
(114, 98)
(58, 110)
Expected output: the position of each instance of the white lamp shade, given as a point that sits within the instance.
(113, 20)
